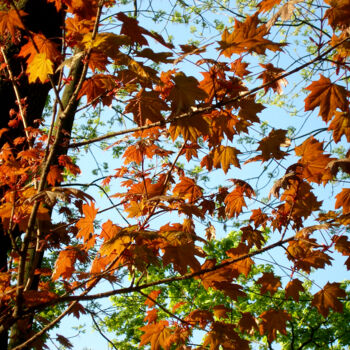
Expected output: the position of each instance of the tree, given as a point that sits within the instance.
(63, 60)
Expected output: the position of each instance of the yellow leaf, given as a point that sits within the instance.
(39, 68)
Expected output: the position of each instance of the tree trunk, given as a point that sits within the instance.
(41, 18)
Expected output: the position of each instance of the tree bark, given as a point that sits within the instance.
(41, 18)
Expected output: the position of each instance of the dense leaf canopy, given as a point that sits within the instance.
(240, 124)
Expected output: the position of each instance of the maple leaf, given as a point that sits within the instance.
(273, 321)
(244, 265)
(43, 45)
(157, 334)
(64, 266)
(221, 311)
(223, 335)
(55, 175)
(232, 290)
(314, 161)
(339, 14)
(327, 298)
(181, 256)
(253, 237)
(10, 21)
(238, 67)
(39, 68)
(224, 156)
(86, 224)
(328, 96)
(184, 93)
(267, 5)
(343, 200)
(188, 189)
(269, 283)
(96, 88)
(152, 295)
(293, 288)
(270, 145)
(146, 105)
(235, 200)
(151, 316)
(247, 36)
(247, 323)
(270, 74)
(191, 128)
(340, 125)
(202, 317)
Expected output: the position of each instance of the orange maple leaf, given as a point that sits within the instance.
(235, 200)
(273, 321)
(184, 93)
(270, 145)
(340, 125)
(146, 105)
(328, 96)
(152, 295)
(343, 200)
(224, 156)
(157, 334)
(247, 36)
(9, 22)
(86, 224)
(267, 5)
(188, 189)
(252, 236)
(339, 13)
(327, 298)
(314, 161)
(55, 175)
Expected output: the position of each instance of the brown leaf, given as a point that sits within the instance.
(293, 289)
(273, 321)
(327, 299)
(269, 283)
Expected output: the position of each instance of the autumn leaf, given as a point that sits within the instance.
(146, 105)
(86, 224)
(328, 96)
(327, 299)
(273, 321)
(267, 5)
(269, 76)
(340, 125)
(252, 236)
(235, 200)
(244, 265)
(152, 295)
(184, 93)
(293, 289)
(269, 283)
(181, 256)
(343, 200)
(339, 14)
(221, 311)
(314, 161)
(64, 266)
(188, 189)
(55, 175)
(10, 21)
(157, 334)
(39, 68)
(247, 323)
(225, 156)
(270, 145)
(247, 36)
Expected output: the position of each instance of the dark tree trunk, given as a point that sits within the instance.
(42, 18)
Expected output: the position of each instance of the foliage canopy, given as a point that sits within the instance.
(186, 152)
